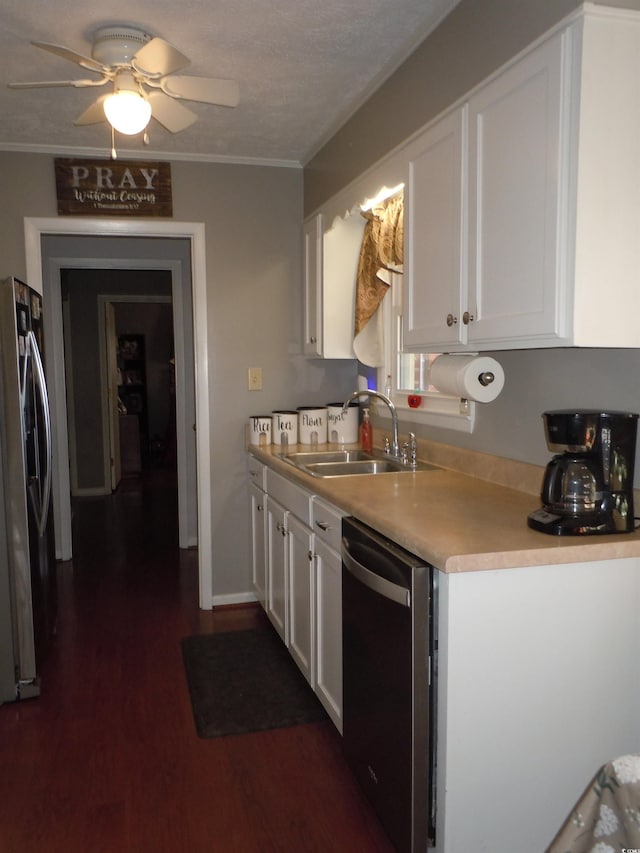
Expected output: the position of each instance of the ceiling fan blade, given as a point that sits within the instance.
(49, 84)
(169, 113)
(85, 61)
(158, 58)
(208, 90)
(93, 114)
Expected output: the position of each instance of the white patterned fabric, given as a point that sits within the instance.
(381, 251)
(606, 819)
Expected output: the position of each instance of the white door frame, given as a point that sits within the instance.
(57, 265)
(34, 229)
(109, 395)
(184, 423)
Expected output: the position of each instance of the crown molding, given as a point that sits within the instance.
(147, 154)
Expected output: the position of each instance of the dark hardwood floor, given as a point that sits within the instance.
(107, 759)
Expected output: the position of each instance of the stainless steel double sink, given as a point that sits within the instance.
(341, 463)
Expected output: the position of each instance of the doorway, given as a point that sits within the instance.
(137, 389)
(43, 271)
(137, 302)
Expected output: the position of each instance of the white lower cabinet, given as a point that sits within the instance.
(299, 537)
(529, 703)
(328, 670)
(258, 520)
(327, 536)
(301, 597)
(277, 568)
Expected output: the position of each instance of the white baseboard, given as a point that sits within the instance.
(95, 491)
(235, 598)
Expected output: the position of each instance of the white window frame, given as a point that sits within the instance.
(435, 409)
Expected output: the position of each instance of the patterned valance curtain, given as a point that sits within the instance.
(381, 252)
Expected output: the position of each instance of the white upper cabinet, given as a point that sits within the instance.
(515, 147)
(603, 215)
(312, 279)
(433, 233)
(522, 220)
(331, 253)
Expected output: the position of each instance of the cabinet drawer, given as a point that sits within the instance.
(257, 473)
(291, 496)
(327, 522)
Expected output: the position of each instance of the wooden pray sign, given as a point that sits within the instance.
(113, 188)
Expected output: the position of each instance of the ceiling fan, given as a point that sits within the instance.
(141, 70)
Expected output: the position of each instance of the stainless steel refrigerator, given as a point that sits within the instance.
(27, 556)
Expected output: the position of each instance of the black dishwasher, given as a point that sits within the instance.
(389, 682)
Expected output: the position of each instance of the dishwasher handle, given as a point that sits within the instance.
(399, 594)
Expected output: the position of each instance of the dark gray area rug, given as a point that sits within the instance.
(246, 681)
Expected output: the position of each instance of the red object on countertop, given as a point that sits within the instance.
(366, 432)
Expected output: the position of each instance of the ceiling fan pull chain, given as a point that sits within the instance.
(114, 156)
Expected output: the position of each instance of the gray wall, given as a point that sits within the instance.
(252, 218)
(475, 39)
(538, 380)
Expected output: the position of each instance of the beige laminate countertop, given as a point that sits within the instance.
(456, 522)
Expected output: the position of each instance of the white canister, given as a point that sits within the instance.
(260, 430)
(284, 427)
(312, 425)
(342, 427)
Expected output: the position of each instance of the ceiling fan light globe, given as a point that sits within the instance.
(127, 112)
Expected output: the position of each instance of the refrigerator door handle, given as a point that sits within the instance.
(41, 385)
(23, 377)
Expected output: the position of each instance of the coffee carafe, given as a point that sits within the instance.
(572, 484)
(588, 487)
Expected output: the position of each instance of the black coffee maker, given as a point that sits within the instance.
(588, 487)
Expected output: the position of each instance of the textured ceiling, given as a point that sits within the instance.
(303, 66)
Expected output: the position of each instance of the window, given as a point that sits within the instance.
(407, 374)
(416, 400)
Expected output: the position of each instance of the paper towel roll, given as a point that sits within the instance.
(476, 377)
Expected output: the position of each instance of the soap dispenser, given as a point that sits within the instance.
(366, 432)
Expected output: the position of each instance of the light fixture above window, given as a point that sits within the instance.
(384, 194)
(127, 110)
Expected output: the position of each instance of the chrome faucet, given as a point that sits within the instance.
(395, 446)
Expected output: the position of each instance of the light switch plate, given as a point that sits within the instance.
(254, 382)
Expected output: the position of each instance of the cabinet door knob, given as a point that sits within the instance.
(451, 320)
(467, 318)
(323, 525)
(313, 339)
(259, 507)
